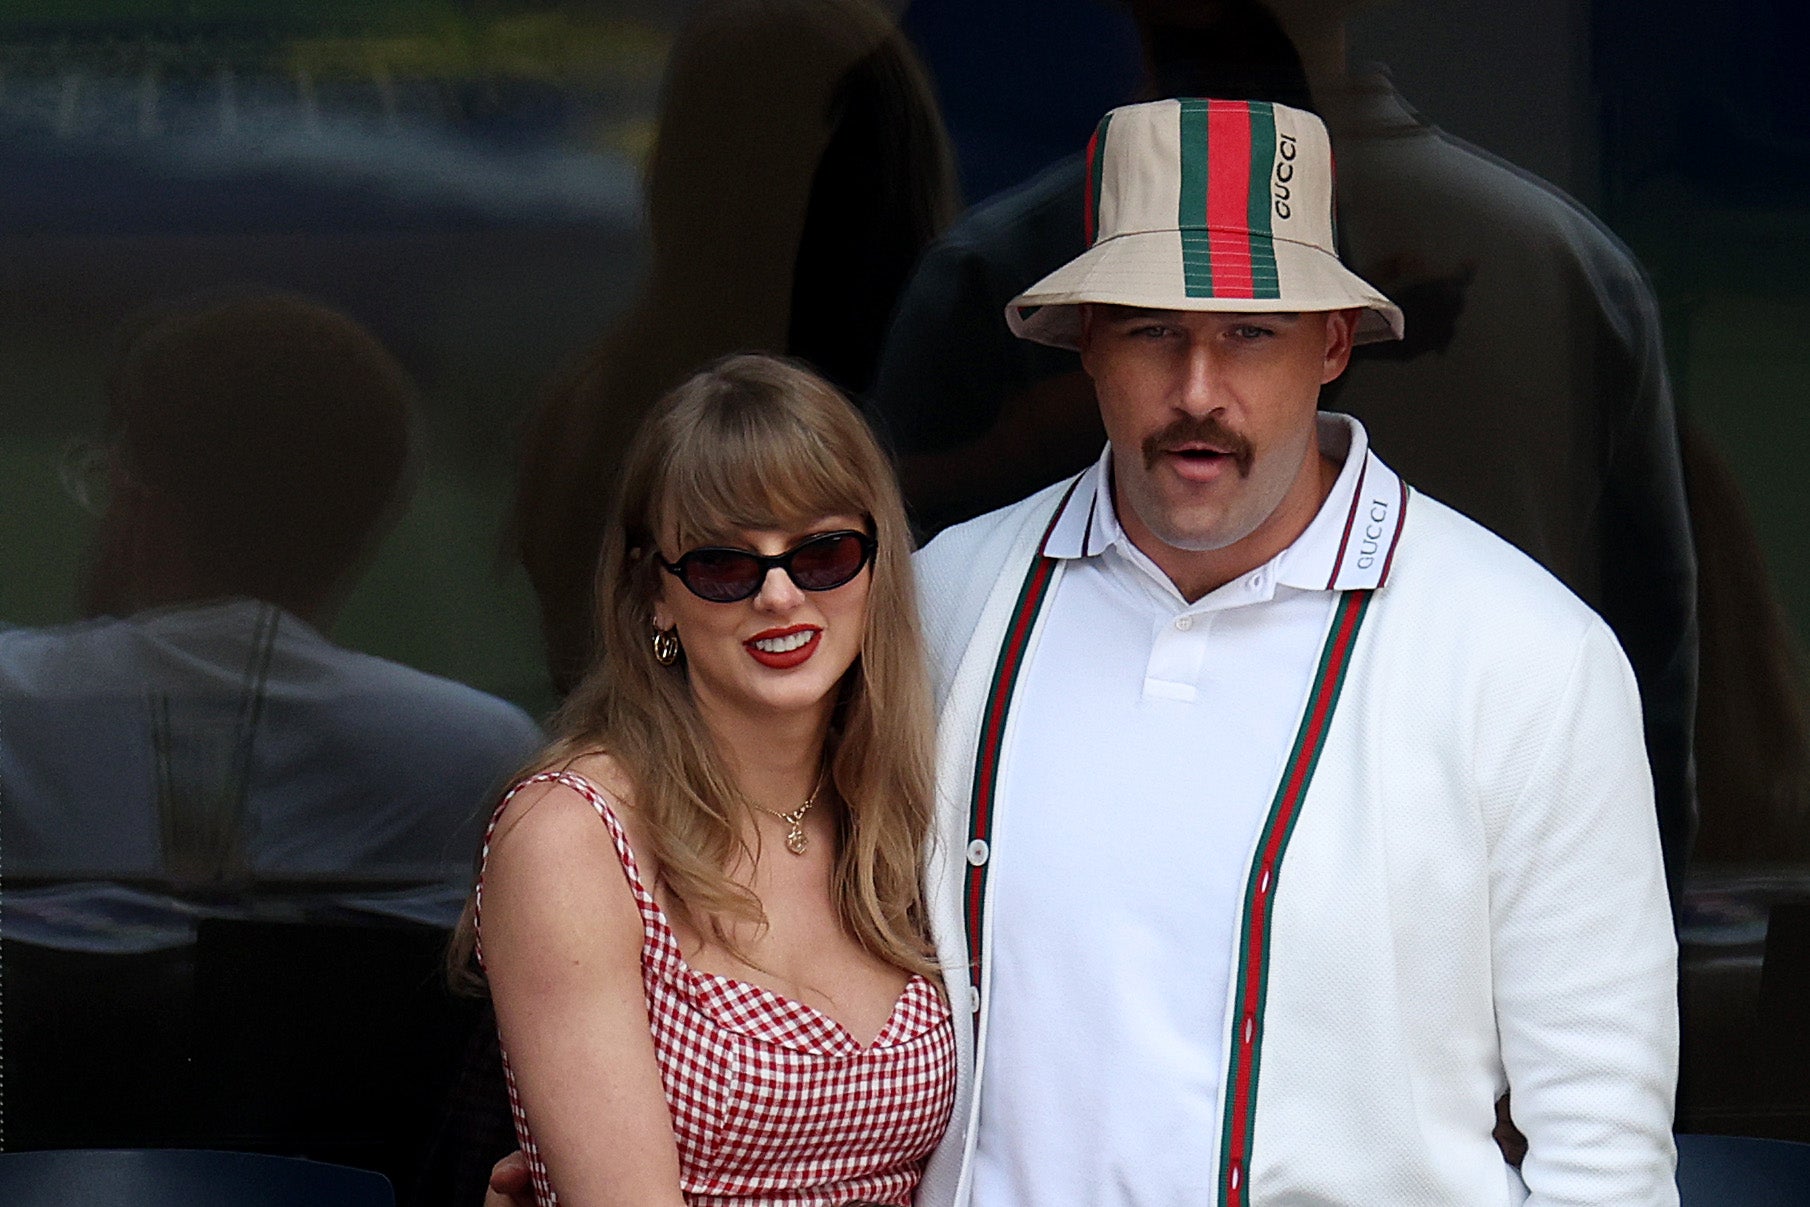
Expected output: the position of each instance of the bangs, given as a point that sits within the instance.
(753, 466)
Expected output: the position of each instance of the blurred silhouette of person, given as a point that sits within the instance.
(1753, 729)
(198, 747)
(800, 169)
(1530, 392)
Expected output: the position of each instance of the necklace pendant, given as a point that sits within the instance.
(796, 840)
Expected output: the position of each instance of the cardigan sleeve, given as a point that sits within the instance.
(1584, 957)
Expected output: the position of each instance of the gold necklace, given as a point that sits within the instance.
(796, 839)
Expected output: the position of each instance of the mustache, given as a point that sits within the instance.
(1188, 429)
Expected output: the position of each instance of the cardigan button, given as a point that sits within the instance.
(974, 999)
(978, 851)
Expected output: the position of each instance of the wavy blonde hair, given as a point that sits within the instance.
(754, 441)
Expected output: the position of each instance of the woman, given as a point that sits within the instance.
(701, 917)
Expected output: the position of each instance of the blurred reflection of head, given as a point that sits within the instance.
(1174, 31)
(1229, 48)
(799, 169)
(197, 747)
(797, 138)
(257, 448)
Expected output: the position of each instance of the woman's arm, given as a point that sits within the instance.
(562, 950)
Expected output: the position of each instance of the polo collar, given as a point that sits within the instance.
(1349, 545)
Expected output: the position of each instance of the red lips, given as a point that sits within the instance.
(786, 659)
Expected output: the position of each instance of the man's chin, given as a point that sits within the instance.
(1191, 531)
(1195, 541)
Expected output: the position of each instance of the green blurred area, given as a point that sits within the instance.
(86, 17)
(81, 16)
(574, 45)
(1730, 281)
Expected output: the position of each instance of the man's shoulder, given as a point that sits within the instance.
(964, 547)
(1457, 578)
(1049, 202)
(1005, 243)
(959, 570)
(456, 708)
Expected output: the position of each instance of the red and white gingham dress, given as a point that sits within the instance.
(774, 1104)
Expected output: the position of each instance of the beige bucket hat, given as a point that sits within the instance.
(1205, 205)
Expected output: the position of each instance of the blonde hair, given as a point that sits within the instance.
(754, 441)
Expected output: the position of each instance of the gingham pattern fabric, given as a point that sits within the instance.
(774, 1104)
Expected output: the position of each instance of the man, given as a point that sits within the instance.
(1287, 818)
(1530, 393)
(197, 747)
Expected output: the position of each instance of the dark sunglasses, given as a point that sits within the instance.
(820, 563)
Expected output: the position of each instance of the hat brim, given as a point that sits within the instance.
(1144, 269)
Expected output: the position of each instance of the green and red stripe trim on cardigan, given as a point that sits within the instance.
(1031, 597)
(1252, 970)
(1228, 149)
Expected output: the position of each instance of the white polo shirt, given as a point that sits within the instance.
(1148, 738)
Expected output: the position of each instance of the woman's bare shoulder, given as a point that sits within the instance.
(546, 806)
(605, 772)
(547, 869)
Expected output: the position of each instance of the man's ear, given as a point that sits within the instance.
(1341, 329)
(1084, 342)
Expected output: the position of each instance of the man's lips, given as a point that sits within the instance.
(1198, 449)
(782, 649)
(1199, 464)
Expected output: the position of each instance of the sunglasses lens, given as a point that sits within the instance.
(828, 561)
(722, 575)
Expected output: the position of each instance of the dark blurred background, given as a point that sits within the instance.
(540, 222)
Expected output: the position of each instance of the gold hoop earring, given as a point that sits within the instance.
(666, 646)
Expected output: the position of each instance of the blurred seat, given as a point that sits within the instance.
(336, 1042)
(332, 1041)
(178, 1177)
(1742, 1171)
(1783, 1017)
(97, 1047)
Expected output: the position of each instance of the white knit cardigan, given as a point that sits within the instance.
(1470, 899)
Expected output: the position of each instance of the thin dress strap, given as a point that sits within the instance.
(660, 946)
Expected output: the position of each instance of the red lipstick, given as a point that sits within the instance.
(780, 660)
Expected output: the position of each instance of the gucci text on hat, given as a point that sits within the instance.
(1205, 205)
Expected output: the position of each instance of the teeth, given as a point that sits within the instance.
(786, 644)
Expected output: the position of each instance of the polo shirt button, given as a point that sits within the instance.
(973, 999)
(1184, 623)
(978, 851)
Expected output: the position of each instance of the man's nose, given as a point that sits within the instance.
(1200, 380)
